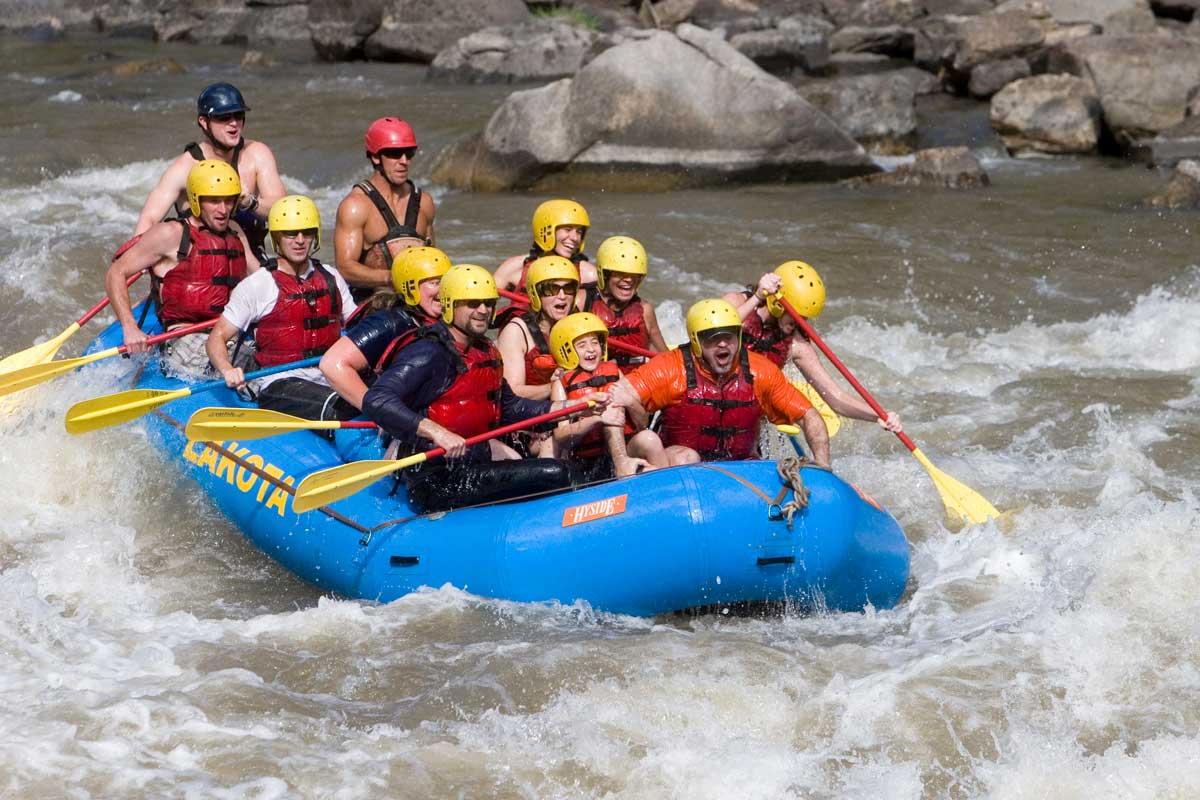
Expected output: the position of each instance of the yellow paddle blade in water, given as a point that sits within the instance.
(39, 353)
(26, 377)
(960, 500)
(114, 409)
(244, 424)
(832, 421)
(330, 485)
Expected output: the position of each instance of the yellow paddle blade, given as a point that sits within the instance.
(244, 424)
(832, 421)
(23, 378)
(788, 430)
(114, 409)
(39, 353)
(962, 501)
(330, 485)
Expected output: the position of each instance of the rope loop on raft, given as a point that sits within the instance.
(789, 472)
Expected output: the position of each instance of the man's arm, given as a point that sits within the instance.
(216, 345)
(657, 343)
(161, 241)
(163, 196)
(429, 207)
(782, 403)
(348, 240)
(817, 436)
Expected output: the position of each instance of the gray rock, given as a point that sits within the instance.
(785, 48)
(877, 110)
(922, 82)
(416, 30)
(1181, 192)
(934, 41)
(527, 51)
(234, 23)
(1138, 19)
(660, 111)
(989, 78)
(847, 65)
(669, 13)
(1143, 82)
(339, 28)
(938, 167)
(1095, 11)
(881, 13)
(994, 37)
(42, 20)
(964, 8)
(1047, 114)
(891, 40)
(1173, 145)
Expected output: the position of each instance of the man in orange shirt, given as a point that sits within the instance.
(714, 393)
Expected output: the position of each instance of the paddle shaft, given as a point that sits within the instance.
(632, 349)
(258, 373)
(842, 368)
(503, 430)
(103, 304)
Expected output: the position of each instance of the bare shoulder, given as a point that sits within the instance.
(354, 207)
(258, 152)
(427, 203)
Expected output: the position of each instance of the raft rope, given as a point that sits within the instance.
(789, 472)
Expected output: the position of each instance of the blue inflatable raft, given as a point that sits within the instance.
(665, 540)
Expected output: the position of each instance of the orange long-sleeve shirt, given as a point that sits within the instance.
(662, 382)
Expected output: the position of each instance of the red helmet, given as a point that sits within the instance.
(388, 132)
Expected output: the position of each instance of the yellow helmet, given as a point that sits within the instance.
(465, 282)
(553, 213)
(211, 178)
(547, 268)
(620, 254)
(709, 315)
(413, 265)
(568, 329)
(295, 213)
(802, 287)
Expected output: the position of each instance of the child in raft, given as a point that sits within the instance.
(597, 444)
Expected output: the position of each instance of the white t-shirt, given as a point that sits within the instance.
(255, 297)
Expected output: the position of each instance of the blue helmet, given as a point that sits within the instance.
(220, 98)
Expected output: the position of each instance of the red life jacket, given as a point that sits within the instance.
(306, 319)
(578, 382)
(198, 287)
(768, 340)
(719, 421)
(539, 364)
(472, 403)
(628, 327)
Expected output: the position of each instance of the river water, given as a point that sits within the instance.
(1040, 338)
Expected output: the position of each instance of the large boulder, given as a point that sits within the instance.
(1047, 114)
(877, 110)
(1143, 82)
(796, 42)
(417, 30)
(1105, 13)
(937, 167)
(989, 78)
(1181, 192)
(661, 110)
(339, 28)
(993, 37)
(234, 22)
(890, 40)
(537, 50)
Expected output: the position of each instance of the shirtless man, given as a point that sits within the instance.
(221, 115)
(195, 261)
(368, 234)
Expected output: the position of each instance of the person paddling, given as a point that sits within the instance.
(713, 393)
(768, 329)
(621, 266)
(579, 343)
(371, 345)
(559, 229)
(295, 306)
(196, 262)
(449, 385)
(221, 117)
(369, 232)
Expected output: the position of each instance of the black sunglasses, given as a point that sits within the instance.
(396, 153)
(220, 119)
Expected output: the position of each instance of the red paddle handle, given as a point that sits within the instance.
(566, 411)
(842, 368)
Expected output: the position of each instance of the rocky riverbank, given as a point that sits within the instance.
(687, 92)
